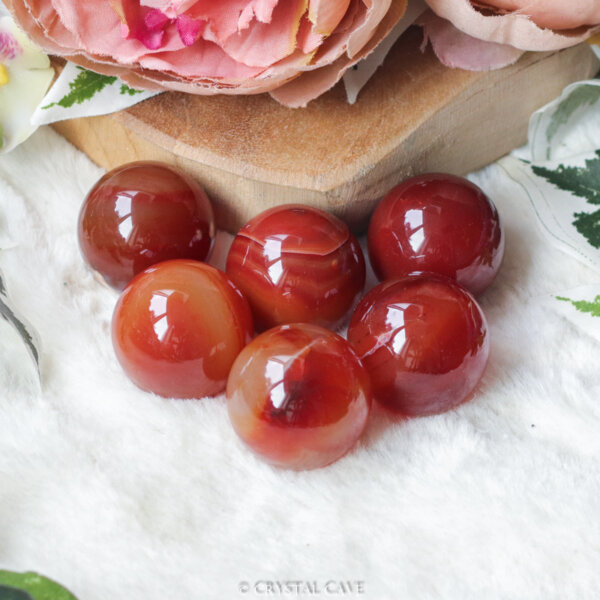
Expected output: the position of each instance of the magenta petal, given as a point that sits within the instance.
(189, 29)
(153, 40)
(9, 47)
(155, 20)
(146, 26)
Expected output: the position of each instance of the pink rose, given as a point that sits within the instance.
(484, 34)
(214, 46)
(560, 15)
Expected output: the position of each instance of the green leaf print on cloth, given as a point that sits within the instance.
(580, 98)
(583, 306)
(559, 171)
(127, 91)
(568, 125)
(31, 586)
(9, 593)
(580, 306)
(81, 93)
(583, 182)
(84, 87)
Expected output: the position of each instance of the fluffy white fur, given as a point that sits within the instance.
(121, 495)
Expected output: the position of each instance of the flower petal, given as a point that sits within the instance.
(29, 75)
(513, 28)
(459, 50)
(240, 46)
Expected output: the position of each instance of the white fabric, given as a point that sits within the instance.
(118, 494)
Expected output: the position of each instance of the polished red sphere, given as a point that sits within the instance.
(178, 327)
(298, 396)
(297, 264)
(440, 224)
(141, 214)
(423, 341)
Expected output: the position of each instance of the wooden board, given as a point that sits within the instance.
(414, 116)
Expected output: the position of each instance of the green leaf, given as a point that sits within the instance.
(581, 96)
(584, 306)
(581, 181)
(84, 87)
(126, 90)
(36, 586)
(10, 593)
(585, 183)
(588, 225)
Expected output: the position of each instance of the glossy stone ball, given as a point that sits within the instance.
(298, 396)
(178, 327)
(140, 214)
(297, 264)
(441, 224)
(424, 342)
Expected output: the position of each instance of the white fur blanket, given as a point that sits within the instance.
(118, 494)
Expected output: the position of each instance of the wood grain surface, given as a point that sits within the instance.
(414, 116)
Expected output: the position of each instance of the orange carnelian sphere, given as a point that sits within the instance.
(437, 223)
(140, 214)
(178, 327)
(423, 341)
(297, 264)
(298, 396)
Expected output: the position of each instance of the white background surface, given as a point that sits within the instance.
(118, 494)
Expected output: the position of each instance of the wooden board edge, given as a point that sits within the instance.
(584, 62)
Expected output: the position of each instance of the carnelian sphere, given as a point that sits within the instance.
(298, 396)
(423, 341)
(178, 327)
(441, 224)
(140, 214)
(297, 264)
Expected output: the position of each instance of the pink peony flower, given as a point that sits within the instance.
(484, 34)
(560, 15)
(214, 46)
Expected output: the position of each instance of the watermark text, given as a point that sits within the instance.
(332, 587)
